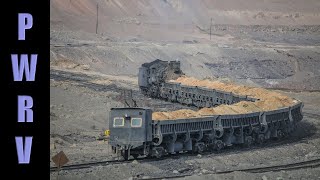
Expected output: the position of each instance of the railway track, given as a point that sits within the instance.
(174, 156)
(227, 151)
(80, 166)
(100, 163)
(87, 165)
(287, 167)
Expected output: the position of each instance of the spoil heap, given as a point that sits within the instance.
(268, 100)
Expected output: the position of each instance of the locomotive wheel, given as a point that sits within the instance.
(280, 134)
(199, 147)
(219, 145)
(157, 152)
(248, 141)
(147, 151)
(260, 139)
(159, 155)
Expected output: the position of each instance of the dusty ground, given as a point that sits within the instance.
(269, 44)
(80, 103)
(262, 43)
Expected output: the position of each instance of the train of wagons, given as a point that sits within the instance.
(134, 133)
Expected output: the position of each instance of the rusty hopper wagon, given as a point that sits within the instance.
(134, 132)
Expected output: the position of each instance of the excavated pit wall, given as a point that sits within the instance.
(267, 100)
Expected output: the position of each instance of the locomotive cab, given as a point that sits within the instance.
(130, 130)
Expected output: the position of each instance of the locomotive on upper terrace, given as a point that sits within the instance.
(134, 132)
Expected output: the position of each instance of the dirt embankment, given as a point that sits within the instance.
(268, 100)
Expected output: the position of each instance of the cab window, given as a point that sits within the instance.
(136, 122)
(118, 121)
